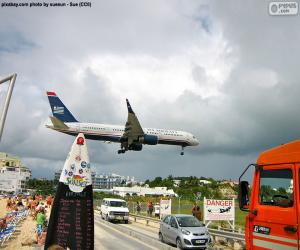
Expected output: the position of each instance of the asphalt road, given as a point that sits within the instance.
(109, 238)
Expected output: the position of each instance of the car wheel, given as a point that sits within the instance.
(178, 243)
(126, 221)
(160, 237)
(106, 218)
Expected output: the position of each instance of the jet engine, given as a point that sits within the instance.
(149, 139)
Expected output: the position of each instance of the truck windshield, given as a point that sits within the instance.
(117, 203)
(276, 187)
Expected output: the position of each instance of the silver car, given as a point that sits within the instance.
(184, 231)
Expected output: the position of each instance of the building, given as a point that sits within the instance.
(230, 182)
(110, 181)
(104, 181)
(204, 182)
(144, 191)
(13, 175)
(176, 183)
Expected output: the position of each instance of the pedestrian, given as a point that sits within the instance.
(147, 208)
(150, 208)
(138, 207)
(198, 213)
(194, 209)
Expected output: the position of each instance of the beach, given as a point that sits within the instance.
(24, 238)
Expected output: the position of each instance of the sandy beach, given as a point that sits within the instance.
(25, 232)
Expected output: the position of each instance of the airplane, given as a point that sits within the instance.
(131, 136)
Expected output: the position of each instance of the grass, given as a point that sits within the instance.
(185, 207)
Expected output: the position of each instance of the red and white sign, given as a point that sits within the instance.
(218, 210)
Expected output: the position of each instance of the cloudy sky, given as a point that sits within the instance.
(225, 71)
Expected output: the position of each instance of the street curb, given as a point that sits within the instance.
(144, 238)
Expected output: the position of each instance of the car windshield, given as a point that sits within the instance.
(117, 203)
(188, 222)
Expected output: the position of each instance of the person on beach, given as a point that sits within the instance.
(49, 200)
(40, 221)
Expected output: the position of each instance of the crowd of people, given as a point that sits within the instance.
(36, 206)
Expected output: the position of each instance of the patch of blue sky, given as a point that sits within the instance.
(204, 22)
(14, 42)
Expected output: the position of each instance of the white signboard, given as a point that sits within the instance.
(218, 210)
(76, 172)
(165, 207)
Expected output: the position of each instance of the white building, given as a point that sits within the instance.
(205, 182)
(13, 176)
(143, 191)
(109, 181)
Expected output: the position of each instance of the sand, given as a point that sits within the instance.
(25, 232)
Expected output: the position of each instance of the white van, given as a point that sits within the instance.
(114, 209)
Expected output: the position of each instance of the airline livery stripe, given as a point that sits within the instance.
(273, 237)
(272, 245)
(75, 132)
(51, 93)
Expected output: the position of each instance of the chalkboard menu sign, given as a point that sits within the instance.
(71, 223)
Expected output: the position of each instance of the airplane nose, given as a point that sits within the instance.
(196, 142)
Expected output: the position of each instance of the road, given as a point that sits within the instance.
(109, 238)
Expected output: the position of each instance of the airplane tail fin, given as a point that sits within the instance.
(59, 110)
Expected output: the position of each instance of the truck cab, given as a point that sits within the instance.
(272, 201)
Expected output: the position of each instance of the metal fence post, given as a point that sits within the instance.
(12, 80)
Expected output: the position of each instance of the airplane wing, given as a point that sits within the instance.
(133, 128)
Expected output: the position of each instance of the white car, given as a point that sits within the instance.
(114, 209)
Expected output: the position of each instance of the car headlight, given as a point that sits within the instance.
(206, 233)
(126, 213)
(111, 213)
(186, 232)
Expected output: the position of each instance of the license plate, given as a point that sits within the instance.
(119, 218)
(200, 241)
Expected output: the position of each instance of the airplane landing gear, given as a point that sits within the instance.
(182, 150)
(121, 151)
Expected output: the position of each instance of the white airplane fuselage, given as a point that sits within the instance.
(113, 133)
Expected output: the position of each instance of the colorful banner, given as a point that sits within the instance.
(218, 210)
(71, 221)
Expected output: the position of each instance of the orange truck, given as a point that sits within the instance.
(273, 200)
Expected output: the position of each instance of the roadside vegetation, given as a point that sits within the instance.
(190, 190)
